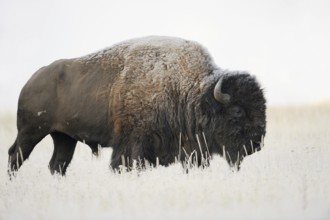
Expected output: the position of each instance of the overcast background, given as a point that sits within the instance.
(284, 43)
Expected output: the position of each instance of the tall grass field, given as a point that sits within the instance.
(288, 179)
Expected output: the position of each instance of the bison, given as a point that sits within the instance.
(155, 99)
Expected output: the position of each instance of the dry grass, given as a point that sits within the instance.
(288, 179)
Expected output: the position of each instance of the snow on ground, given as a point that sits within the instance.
(288, 179)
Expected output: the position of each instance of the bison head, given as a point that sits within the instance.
(237, 124)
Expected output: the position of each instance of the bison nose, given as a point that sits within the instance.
(256, 145)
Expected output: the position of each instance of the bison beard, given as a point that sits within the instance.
(154, 98)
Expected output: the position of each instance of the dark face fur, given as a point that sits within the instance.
(240, 124)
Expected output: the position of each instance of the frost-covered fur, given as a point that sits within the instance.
(158, 78)
(147, 98)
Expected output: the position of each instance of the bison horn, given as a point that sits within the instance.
(218, 95)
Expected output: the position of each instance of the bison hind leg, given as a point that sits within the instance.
(27, 139)
(12, 165)
(64, 147)
(95, 147)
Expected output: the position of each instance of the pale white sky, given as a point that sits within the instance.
(285, 43)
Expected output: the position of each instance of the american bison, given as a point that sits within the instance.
(155, 99)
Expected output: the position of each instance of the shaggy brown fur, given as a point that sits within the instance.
(147, 98)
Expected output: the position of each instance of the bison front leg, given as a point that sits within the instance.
(64, 147)
(128, 156)
(126, 162)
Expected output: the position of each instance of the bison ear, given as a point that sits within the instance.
(221, 97)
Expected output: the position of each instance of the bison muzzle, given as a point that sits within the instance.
(155, 99)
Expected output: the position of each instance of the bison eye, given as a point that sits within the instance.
(237, 112)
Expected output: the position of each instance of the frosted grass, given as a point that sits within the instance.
(288, 179)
